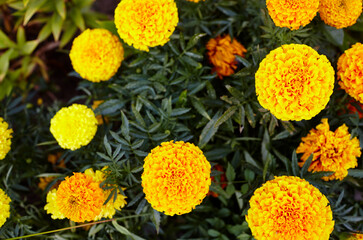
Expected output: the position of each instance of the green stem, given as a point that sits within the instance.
(82, 225)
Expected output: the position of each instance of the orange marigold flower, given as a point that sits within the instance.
(145, 24)
(292, 13)
(79, 198)
(222, 53)
(294, 82)
(176, 177)
(350, 71)
(222, 180)
(356, 236)
(289, 208)
(340, 13)
(333, 151)
(44, 181)
(96, 54)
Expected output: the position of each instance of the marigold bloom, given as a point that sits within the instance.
(44, 181)
(350, 71)
(292, 13)
(289, 208)
(221, 53)
(5, 138)
(96, 54)
(108, 209)
(74, 126)
(294, 82)
(333, 151)
(4, 207)
(145, 24)
(65, 202)
(340, 13)
(176, 177)
(356, 236)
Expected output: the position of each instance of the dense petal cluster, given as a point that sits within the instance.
(221, 53)
(96, 54)
(340, 13)
(176, 177)
(74, 126)
(77, 198)
(108, 209)
(356, 236)
(292, 13)
(145, 24)
(4, 207)
(350, 71)
(287, 207)
(80, 198)
(294, 82)
(5, 138)
(333, 151)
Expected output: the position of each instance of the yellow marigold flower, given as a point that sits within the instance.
(221, 53)
(356, 236)
(289, 208)
(350, 71)
(108, 209)
(340, 13)
(96, 54)
(294, 82)
(80, 198)
(176, 177)
(74, 126)
(292, 13)
(145, 24)
(5, 138)
(51, 207)
(333, 151)
(4, 207)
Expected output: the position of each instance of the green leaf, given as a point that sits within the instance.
(179, 111)
(20, 36)
(230, 173)
(213, 233)
(61, 8)
(67, 34)
(194, 40)
(107, 146)
(250, 115)
(31, 9)
(77, 18)
(125, 130)
(226, 115)
(109, 107)
(124, 231)
(109, 25)
(335, 36)
(357, 173)
(295, 166)
(199, 107)
(156, 220)
(250, 160)
(57, 23)
(29, 47)
(5, 41)
(4, 63)
(45, 31)
(306, 166)
(266, 167)
(209, 130)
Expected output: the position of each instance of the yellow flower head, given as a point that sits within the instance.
(96, 54)
(4, 207)
(350, 71)
(74, 126)
(292, 13)
(356, 236)
(145, 24)
(294, 82)
(221, 53)
(176, 177)
(109, 209)
(51, 207)
(340, 13)
(333, 151)
(5, 138)
(80, 198)
(289, 208)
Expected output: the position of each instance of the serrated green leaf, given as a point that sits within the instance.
(250, 160)
(31, 9)
(77, 18)
(306, 166)
(107, 146)
(209, 130)
(200, 108)
(45, 31)
(230, 173)
(126, 232)
(156, 220)
(194, 40)
(125, 130)
(357, 173)
(294, 164)
(226, 115)
(61, 8)
(57, 24)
